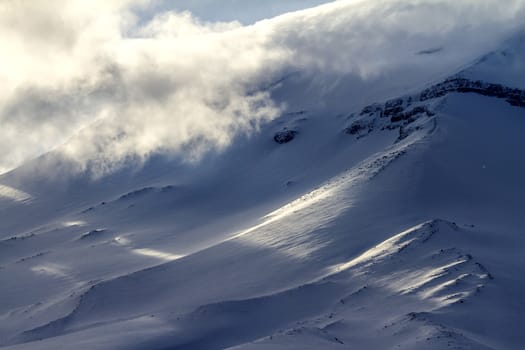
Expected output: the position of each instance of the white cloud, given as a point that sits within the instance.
(87, 71)
(245, 11)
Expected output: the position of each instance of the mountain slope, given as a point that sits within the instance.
(287, 245)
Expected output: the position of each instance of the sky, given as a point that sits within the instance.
(244, 11)
(109, 82)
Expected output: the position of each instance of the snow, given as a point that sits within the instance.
(13, 194)
(332, 240)
(511, 55)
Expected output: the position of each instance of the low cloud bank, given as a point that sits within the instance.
(91, 79)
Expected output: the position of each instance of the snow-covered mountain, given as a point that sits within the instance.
(391, 219)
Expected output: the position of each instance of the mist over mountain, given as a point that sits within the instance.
(344, 176)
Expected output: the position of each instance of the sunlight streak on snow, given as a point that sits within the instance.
(292, 228)
(378, 252)
(14, 194)
(153, 253)
(406, 284)
(52, 270)
(74, 223)
(290, 209)
(157, 254)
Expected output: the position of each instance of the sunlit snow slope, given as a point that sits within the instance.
(396, 225)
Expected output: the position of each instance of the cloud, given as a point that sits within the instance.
(240, 10)
(105, 88)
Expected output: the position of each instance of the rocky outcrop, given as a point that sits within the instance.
(398, 113)
(514, 97)
(359, 127)
(284, 136)
(402, 113)
(411, 114)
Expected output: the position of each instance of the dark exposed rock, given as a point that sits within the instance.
(515, 97)
(358, 127)
(93, 234)
(393, 107)
(136, 193)
(405, 131)
(396, 108)
(372, 109)
(284, 136)
(430, 51)
(409, 115)
(353, 129)
(392, 111)
(402, 112)
(394, 103)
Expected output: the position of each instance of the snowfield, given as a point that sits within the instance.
(397, 224)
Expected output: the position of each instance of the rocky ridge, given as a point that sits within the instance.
(410, 112)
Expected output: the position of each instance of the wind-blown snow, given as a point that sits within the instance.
(13, 193)
(177, 85)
